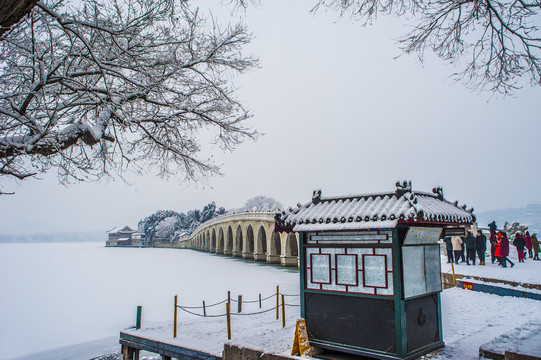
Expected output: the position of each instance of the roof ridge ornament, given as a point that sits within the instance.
(439, 192)
(402, 188)
(316, 196)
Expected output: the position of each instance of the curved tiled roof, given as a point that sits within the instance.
(379, 210)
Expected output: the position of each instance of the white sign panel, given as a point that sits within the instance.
(422, 235)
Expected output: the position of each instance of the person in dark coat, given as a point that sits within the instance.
(504, 250)
(493, 240)
(469, 242)
(481, 246)
(462, 250)
(449, 248)
(529, 244)
(520, 244)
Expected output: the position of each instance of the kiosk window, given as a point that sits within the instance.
(421, 270)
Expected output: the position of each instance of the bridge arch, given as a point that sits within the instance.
(238, 244)
(220, 245)
(248, 249)
(275, 248)
(291, 250)
(228, 250)
(213, 241)
(261, 244)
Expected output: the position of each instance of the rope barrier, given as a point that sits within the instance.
(196, 314)
(200, 307)
(185, 308)
(255, 313)
(255, 301)
(289, 294)
(234, 314)
(228, 313)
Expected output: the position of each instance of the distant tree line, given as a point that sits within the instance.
(168, 224)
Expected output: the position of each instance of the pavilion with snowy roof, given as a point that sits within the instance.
(370, 269)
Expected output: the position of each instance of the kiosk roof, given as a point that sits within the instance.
(378, 210)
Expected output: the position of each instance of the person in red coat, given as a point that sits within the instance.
(529, 244)
(504, 250)
(497, 255)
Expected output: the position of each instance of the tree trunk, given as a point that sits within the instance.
(12, 11)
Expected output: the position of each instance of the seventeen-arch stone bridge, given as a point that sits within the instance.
(250, 235)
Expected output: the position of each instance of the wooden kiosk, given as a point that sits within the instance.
(370, 269)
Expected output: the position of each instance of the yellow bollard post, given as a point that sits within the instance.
(228, 313)
(454, 278)
(175, 318)
(283, 312)
(277, 302)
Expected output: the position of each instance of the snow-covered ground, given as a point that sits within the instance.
(470, 319)
(56, 295)
(527, 272)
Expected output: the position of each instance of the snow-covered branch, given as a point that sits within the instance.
(111, 85)
(495, 42)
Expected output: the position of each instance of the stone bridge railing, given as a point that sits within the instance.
(250, 235)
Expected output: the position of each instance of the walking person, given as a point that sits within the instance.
(497, 248)
(469, 242)
(519, 243)
(504, 250)
(529, 244)
(481, 246)
(449, 248)
(456, 241)
(536, 247)
(493, 240)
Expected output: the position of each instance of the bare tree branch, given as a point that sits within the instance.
(500, 39)
(114, 85)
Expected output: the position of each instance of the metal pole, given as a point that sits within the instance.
(260, 301)
(138, 319)
(239, 310)
(204, 309)
(454, 278)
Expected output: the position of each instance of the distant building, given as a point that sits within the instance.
(123, 236)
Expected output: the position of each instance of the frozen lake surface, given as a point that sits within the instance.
(60, 294)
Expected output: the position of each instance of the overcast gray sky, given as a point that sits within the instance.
(338, 113)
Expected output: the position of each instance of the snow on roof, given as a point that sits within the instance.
(378, 210)
(118, 229)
